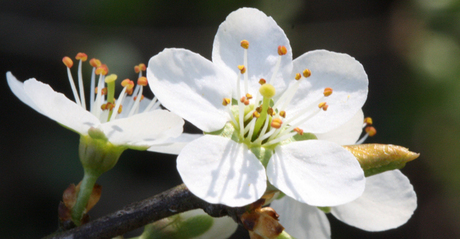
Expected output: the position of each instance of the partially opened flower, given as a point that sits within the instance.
(109, 126)
(388, 200)
(254, 104)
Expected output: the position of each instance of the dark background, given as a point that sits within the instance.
(410, 50)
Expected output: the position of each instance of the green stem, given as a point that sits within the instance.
(86, 188)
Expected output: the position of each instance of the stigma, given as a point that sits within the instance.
(102, 101)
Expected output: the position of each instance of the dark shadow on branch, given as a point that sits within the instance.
(173, 201)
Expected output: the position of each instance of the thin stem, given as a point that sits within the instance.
(173, 201)
(86, 188)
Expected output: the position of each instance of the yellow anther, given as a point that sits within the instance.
(368, 120)
(135, 97)
(67, 61)
(282, 50)
(276, 123)
(298, 130)
(371, 131)
(306, 73)
(110, 78)
(242, 69)
(120, 109)
(129, 84)
(245, 44)
(248, 96)
(142, 67)
(262, 81)
(95, 62)
(267, 90)
(226, 101)
(283, 114)
(255, 114)
(103, 91)
(327, 91)
(323, 105)
(142, 81)
(102, 70)
(270, 111)
(81, 56)
(298, 76)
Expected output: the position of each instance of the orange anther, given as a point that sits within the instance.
(368, 120)
(246, 102)
(245, 44)
(297, 76)
(248, 96)
(323, 105)
(142, 81)
(283, 114)
(129, 84)
(81, 56)
(103, 91)
(95, 62)
(262, 81)
(306, 73)
(242, 69)
(135, 97)
(298, 130)
(136, 69)
(276, 123)
(371, 131)
(327, 91)
(67, 61)
(270, 111)
(282, 50)
(255, 114)
(102, 70)
(142, 67)
(226, 101)
(242, 99)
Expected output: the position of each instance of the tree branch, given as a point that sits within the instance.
(173, 201)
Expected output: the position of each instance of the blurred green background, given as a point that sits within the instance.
(410, 50)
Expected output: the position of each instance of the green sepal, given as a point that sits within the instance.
(284, 235)
(263, 154)
(98, 155)
(325, 209)
(378, 158)
(228, 131)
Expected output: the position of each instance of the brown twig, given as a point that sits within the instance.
(173, 201)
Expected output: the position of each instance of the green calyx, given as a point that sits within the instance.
(97, 154)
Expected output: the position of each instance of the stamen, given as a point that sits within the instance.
(81, 57)
(242, 69)
(226, 101)
(152, 105)
(276, 123)
(262, 81)
(368, 121)
(127, 85)
(245, 45)
(371, 131)
(298, 130)
(94, 63)
(69, 63)
(297, 76)
(280, 138)
(282, 114)
(306, 73)
(281, 51)
(327, 92)
(248, 96)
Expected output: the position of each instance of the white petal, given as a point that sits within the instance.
(301, 220)
(388, 202)
(17, 88)
(222, 227)
(316, 172)
(342, 73)
(174, 145)
(347, 133)
(59, 108)
(143, 129)
(264, 37)
(190, 86)
(219, 170)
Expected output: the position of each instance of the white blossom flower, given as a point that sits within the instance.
(250, 130)
(388, 200)
(139, 125)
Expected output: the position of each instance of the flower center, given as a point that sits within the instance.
(263, 121)
(102, 102)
